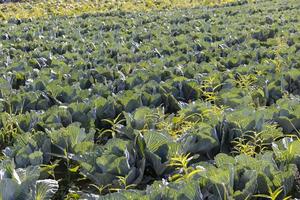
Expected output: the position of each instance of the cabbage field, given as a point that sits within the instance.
(199, 103)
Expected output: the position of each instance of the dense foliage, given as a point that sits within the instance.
(47, 8)
(198, 103)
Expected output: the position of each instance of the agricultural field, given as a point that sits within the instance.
(49, 8)
(177, 101)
